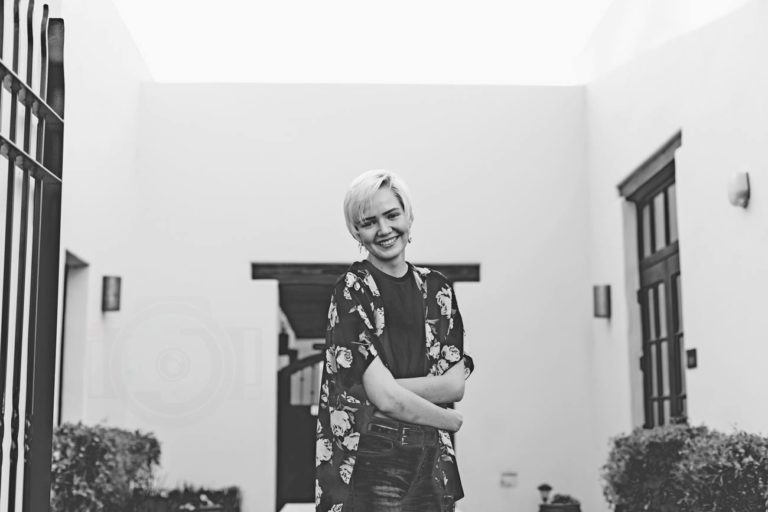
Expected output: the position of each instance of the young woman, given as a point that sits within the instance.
(394, 353)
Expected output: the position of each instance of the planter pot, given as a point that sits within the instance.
(559, 507)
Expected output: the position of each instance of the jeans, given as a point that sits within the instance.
(393, 472)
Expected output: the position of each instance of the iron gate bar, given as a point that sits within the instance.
(42, 120)
(26, 162)
(32, 337)
(18, 344)
(2, 26)
(14, 466)
(20, 271)
(4, 331)
(35, 263)
(4, 312)
(22, 92)
(37, 479)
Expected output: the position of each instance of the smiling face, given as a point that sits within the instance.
(384, 230)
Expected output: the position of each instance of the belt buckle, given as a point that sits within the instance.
(405, 433)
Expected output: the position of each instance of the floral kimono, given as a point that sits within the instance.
(354, 339)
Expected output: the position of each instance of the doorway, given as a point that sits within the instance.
(305, 291)
(652, 189)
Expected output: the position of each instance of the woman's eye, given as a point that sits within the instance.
(394, 215)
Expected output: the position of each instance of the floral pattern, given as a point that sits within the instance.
(356, 320)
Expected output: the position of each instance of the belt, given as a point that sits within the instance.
(403, 434)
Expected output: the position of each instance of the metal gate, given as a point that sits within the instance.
(31, 143)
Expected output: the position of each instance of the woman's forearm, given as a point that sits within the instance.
(399, 403)
(440, 389)
(410, 407)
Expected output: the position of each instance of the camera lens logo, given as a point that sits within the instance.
(172, 364)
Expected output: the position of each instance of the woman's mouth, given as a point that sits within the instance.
(388, 242)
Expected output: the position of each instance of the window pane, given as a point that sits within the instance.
(667, 411)
(659, 222)
(664, 347)
(672, 200)
(656, 419)
(646, 221)
(650, 304)
(652, 370)
(679, 297)
(683, 365)
(662, 301)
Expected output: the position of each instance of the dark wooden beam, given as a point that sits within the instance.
(326, 273)
(305, 289)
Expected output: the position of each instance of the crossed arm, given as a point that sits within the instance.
(413, 399)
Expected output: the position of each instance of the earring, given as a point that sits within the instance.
(360, 246)
(410, 239)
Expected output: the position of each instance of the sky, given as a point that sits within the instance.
(360, 41)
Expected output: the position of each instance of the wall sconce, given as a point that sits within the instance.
(509, 479)
(110, 293)
(544, 490)
(738, 189)
(601, 299)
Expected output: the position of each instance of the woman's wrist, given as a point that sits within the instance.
(455, 420)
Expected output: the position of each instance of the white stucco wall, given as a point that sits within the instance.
(102, 75)
(184, 357)
(711, 85)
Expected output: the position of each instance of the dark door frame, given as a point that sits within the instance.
(305, 290)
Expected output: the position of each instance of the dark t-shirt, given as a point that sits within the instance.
(403, 339)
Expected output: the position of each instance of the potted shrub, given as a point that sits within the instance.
(561, 503)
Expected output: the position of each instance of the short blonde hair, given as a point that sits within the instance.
(364, 187)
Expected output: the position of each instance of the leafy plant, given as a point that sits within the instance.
(99, 468)
(678, 468)
(725, 472)
(191, 498)
(638, 474)
(564, 499)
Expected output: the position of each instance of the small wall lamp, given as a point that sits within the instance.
(738, 189)
(544, 490)
(601, 299)
(110, 293)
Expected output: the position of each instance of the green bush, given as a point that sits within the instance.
(100, 469)
(725, 473)
(191, 498)
(679, 468)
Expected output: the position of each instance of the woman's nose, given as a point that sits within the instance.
(384, 227)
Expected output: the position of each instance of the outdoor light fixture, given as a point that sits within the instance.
(738, 189)
(509, 479)
(544, 490)
(110, 293)
(601, 298)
